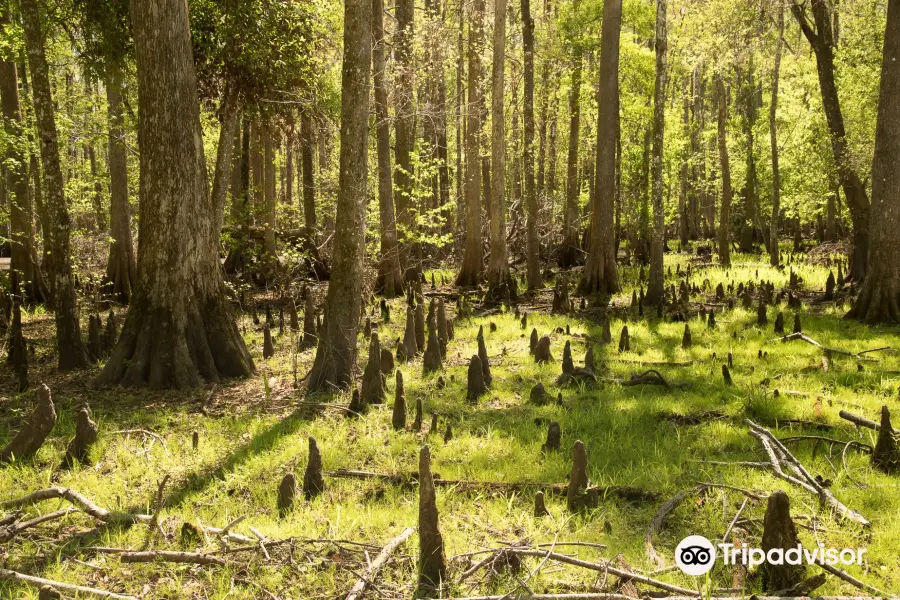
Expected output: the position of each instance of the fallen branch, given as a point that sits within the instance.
(624, 492)
(146, 432)
(372, 570)
(826, 349)
(651, 363)
(101, 514)
(841, 574)
(779, 455)
(830, 441)
(195, 558)
(39, 582)
(734, 520)
(863, 422)
(604, 568)
(656, 524)
(750, 494)
(15, 529)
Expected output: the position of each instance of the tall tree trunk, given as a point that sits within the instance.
(600, 270)
(460, 136)
(822, 41)
(748, 231)
(336, 352)
(568, 254)
(120, 265)
(72, 353)
(498, 264)
(289, 167)
(471, 268)
(774, 257)
(879, 298)
(228, 128)
(404, 116)
(270, 251)
(655, 294)
(257, 167)
(725, 214)
(688, 183)
(180, 329)
(532, 251)
(91, 155)
(307, 148)
(23, 256)
(390, 277)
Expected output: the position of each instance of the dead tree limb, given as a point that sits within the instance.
(605, 567)
(194, 558)
(826, 349)
(39, 582)
(372, 570)
(841, 574)
(656, 524)
(8, 533)
(82, 502)
(863, 422)
(779, 456)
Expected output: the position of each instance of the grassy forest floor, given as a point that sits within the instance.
(253, 432)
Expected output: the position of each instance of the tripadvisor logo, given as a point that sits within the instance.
(696, 555)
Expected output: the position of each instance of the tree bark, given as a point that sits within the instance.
(270, 251)
(600, 271)
(821, 40)
(880, 294)
(179, 330)
(533, 260)
(336, 351)
(120, 265)
(568, 255)
(498, 264)
(23, 256)
(725, 213)
(471, 269)
(405, 130)
(390, 277)
(748, 230)
(774, 256)
(72, 354)
(655, 294)
(307, 149)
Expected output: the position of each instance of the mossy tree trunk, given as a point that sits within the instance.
(180, 329)
(390, 277)
(600, 271)
(879, 298)
(471, 269)
(336, 352)
(655, 294)
(23, 256)
(71, 349)
(121, 268)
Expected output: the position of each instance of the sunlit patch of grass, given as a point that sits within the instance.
(250, 439)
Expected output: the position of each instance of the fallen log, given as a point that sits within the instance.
(372, 570)
(39, 582)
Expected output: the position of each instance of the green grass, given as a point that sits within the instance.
(254, 438)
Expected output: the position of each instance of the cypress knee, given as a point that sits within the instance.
(476, 387)
(542, 351)
(420, 327)
(483, 357)
(624, 341)
(85, 437)
(578, 481)
(268, 346)
(372, 383)
(398, 418)
(287, 491)
(886, 457)
(568, 365)
(779, 532)
(432, 568)
(409, 334)
(432, 359)
(554, 435)
(686, 338)
(779, 323)
(313, 480)
(34, 431)
(533, 342)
